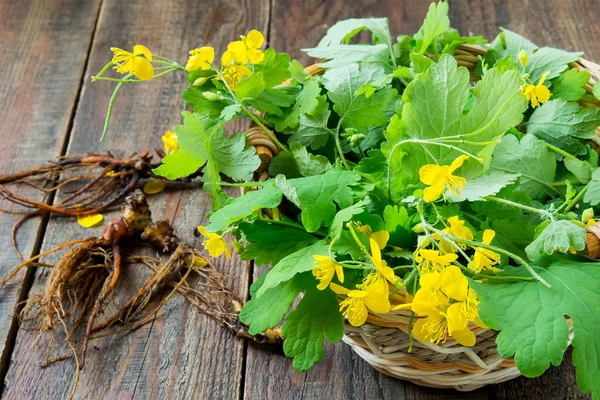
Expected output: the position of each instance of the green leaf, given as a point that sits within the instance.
(557, 236)
(343, 55)
(274, 68)
(398, 224)
(508, 43)
(436, 22)
(250, 87)
(529, 158)
(230, 112)
(267, 311)
(306, 101)
(316, 195)
(563, 124)
(570, 85)
(343, 31)
(312, 129)
(592, 195)
(581, 169)
(300, 261)
(231, 156)
(549, 60)
(433, 108)
(241, 207)
(357, 111)
(513, 234)
(596, 90)
(209, 111)
(485, 185)
(308, 164)
(345, 215)
(268, 242)
(227, 155)
(304, 330)
(531, 317)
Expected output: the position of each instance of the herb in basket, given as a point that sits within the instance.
(434, 184)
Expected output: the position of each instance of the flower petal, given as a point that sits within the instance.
(456, 164)
(430, 173)
(378, 302)
(339, 270)
(90, 221)
(255, 39)
(337, 289)
(453, 283)
(488, 236)
(143, 69)
(154, 186)
(143, 50)
(455, 317)
(465, 337)
(433, 192)
(381, 237)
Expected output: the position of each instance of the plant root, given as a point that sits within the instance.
(92, 183)
(80, 285)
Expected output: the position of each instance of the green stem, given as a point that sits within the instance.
(497, 250)
(578, 198)
(338, 146)
(125, 80)
(467, 142)
(240, 184)
(266, 130)
(110, 106)
(545, 213)
(355, 236)
(561, 152)
(290, 225)
(102, 71)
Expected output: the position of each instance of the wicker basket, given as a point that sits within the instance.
(384, 342)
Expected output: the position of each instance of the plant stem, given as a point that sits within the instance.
(578, 198)
(266, 130)
(290, 225)
(110, 106)
(240, 184)
(521, 206)
(497, 250)
(102, 71)
(338, 146)
(561, 152)
(125, 80)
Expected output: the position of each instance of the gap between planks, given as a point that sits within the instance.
(29, 276)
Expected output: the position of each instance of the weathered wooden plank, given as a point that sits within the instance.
(342, 374)
(44, 47)
(181, 354)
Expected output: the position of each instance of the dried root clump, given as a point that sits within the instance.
(78, 289)
(92, 183)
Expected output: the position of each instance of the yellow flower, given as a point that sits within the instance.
(90, 221)
(170, 141)
(233, 74)
(381, 237)
(440, 177)
(214, 243)
(432, 260)
(523, 58)
(457, 228)
(200, 58)
(485, 258)
(537, 94)
(247, 49)
(357, 302)
(324, 270)
(591, 222)
(137, 63)
(448, 304)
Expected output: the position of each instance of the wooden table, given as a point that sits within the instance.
(49, 107)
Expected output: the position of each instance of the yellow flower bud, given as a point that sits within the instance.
(523, 58)
(418, 228)
(423, 241)
(587, 215)
(200, 81)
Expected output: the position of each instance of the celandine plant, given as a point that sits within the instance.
(401, 182)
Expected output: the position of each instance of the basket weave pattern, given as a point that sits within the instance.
(384, 340)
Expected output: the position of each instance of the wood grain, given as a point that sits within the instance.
(44, 47)
(181, 354)
(571, 25)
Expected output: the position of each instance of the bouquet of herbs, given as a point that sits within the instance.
(401, 180)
